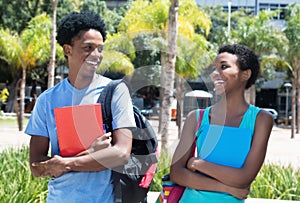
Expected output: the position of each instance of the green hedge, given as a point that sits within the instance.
(18, 185)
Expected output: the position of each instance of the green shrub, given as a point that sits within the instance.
(17, 184)
(163, 167)
(277, 182)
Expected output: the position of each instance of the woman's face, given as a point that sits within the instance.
(86, 52)
(226, 74)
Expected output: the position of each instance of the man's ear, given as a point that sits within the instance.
(246, 74)
(67, 49)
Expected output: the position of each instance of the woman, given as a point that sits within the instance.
(232, 138)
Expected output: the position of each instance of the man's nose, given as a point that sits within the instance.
(96, 52)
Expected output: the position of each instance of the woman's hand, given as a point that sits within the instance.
(240, 193)
(191, 164)
(101, 142)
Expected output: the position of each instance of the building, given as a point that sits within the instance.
(111, 4)
(254, 5)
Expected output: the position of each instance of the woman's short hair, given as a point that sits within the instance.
(73, 23)
(246, 59)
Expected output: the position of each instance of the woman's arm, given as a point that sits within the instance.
(241, 177)
(181, 175)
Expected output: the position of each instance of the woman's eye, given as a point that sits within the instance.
(223, 67)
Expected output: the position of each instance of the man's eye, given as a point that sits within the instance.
(88, 48)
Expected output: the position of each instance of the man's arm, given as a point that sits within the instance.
(116, 154)
(38, 147)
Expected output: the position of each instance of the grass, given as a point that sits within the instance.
(18, 185)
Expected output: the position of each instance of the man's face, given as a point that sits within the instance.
(86, 52)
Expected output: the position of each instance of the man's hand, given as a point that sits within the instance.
(53, 167)
(101, 142)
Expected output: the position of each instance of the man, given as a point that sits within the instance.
(85, 177)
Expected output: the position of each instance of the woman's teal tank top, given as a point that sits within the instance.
(224, 145)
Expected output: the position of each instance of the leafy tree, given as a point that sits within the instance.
(218, 35)
(51, 65)
(17, 13)
(292, 56)
(118, 55)
(111, 18)
(26, 51)
(258, 34)
(145, 17)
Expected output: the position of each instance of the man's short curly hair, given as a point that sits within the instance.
(73, 23)
(246, 59)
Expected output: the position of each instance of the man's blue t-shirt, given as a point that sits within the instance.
(78, 186)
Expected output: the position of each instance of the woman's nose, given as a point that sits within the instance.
(215, 74)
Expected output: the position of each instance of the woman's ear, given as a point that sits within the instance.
(67, 49)
(246, 74)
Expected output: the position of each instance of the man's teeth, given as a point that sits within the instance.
(92, 62)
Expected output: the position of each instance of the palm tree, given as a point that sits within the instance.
(258, 34)
(119, 51)
(51, 66)
(293, 58)
(26, 50)
(152, 17)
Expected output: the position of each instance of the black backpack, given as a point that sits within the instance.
(127, 178)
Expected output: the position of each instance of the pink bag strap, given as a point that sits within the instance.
(201, 112)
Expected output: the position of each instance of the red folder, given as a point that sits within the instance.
(77, 127)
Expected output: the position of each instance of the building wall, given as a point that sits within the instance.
(243, 2)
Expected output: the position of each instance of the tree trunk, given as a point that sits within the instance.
(51, 66)
(21, 106)
(297, 115)
(179, 96)
(169, 73)
(294, 91)
(252, 94)
(162, 90)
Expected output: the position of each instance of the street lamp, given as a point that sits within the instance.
(287, 87)
(229, 18)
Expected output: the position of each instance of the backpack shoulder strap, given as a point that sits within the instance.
(105, 99)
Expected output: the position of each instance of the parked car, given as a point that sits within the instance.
(273, 112)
